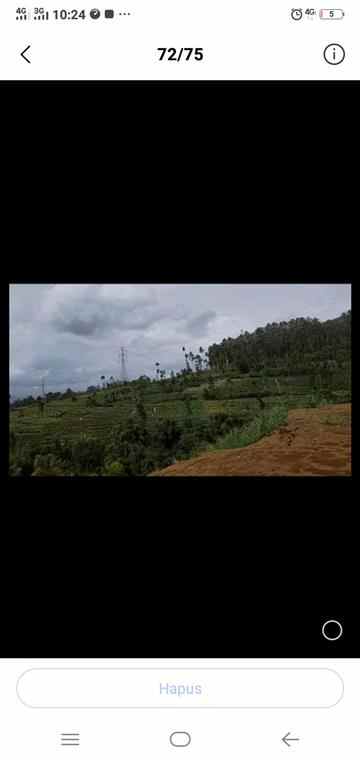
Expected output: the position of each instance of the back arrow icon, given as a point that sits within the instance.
(286, 739)
(23, 54)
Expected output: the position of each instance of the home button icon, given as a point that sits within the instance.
(180, 739)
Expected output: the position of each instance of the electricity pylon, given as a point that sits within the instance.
(122, 356)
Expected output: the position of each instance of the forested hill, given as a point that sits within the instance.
(299, 346)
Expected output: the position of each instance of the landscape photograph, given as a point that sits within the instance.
(179, 380)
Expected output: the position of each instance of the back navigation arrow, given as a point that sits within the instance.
(23, 54)
(286, 739)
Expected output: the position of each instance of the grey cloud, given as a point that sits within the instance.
(199, 325)
(50, 362)
(80, 326)
(92, 319)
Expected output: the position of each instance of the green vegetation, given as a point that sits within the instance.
(229, 397)
(262, 424)
(300, 346)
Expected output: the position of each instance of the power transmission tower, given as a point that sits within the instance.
(43, 387)
(124, 375)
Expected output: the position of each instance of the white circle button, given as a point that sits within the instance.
(332, 630)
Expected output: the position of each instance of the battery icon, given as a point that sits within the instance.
(329, 14)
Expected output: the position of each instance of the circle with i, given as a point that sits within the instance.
(334, 54)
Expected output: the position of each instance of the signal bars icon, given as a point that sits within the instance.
(70, 740)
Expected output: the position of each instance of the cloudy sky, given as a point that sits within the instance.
(72, 334)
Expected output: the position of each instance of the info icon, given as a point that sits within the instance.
(95, 13)
(334, 54)
(109, 14)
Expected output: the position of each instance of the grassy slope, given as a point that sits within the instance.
(263, 424)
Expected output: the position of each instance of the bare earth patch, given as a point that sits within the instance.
(314, 442)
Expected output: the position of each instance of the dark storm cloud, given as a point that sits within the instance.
(78, 326)
(87, 317)
(200, 325)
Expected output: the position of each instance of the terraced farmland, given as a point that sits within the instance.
(99, 421)
(241, 398)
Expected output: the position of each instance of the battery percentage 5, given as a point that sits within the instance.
(330, 14)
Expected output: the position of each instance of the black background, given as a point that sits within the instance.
(179, 186)
(225, 567)
(128, 581)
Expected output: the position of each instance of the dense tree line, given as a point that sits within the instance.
(301, 345)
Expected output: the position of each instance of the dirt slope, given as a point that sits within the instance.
(314, 442)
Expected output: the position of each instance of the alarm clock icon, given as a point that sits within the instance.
(95, 13)
(296, 14)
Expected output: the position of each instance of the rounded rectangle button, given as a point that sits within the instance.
(180, 739)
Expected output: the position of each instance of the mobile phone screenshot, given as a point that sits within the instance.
(171, 40)
(180, 380)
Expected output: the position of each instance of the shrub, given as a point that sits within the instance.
(22, 460)
(87, 455)
(91, 401)
(188, 444)
(15, 470)
(314, 400)
(261, 425)
(129, 445)
(46, 465)
(114, 469)
(166, 434)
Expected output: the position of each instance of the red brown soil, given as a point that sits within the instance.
(314, 442)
